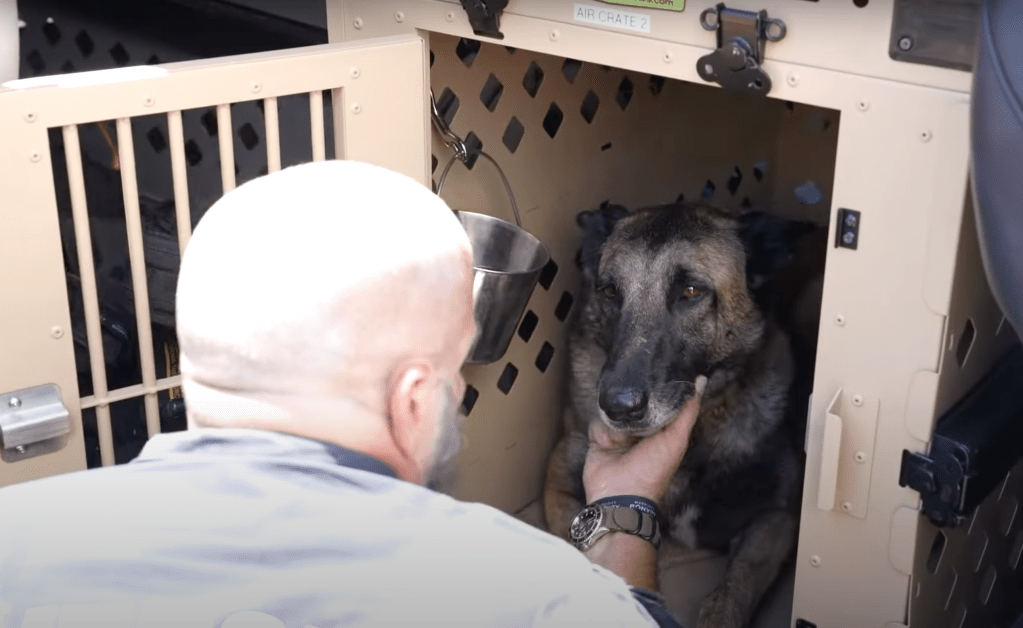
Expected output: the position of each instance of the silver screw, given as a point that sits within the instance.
(850, 220)
(848, 238)
(14, 402)
(20, 449)
(905, 43)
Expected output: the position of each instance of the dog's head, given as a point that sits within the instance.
(668, 300)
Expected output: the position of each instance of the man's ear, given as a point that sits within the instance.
(409, 407)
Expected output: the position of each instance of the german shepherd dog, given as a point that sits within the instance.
(671, 293)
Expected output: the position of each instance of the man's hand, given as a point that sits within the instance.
(618, 465)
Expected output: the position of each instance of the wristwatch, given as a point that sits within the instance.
(596, 520)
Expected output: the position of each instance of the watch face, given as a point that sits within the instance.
(585, 523)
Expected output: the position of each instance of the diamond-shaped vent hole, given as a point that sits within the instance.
(625, 92)
(52, 33)
(36, 62)
(119, 54)
(508, 378)
(533, 79)
(209, 122)
(708, 190)
(85, 44)
(192, 153)
(552, 121)
(590, 105)
(248, 135)
(467, 49)
(473, 145)
(469, 400)
(571, 69)
(528, 326)
(937, 549)
(156, 139)
(656, 85)
(447, 105)
(547, 275)
(513, 134)
(564, 307)
(543, 359)
(734, 181)
(491, 93)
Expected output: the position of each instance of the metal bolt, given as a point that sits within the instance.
(815, 561)
(668, 56)
(257, 87)
(849, 237)
(905, 43)
(57, 332)
(860, 457)
(14, 402)
(451, 16)
(793, 79)
(555, 35)
(850, 220)
(399, 17)
(356, 73)
(925, 136)
(863, 105)
(356, 108)
(358, 22)
(840, 320)
(858, 400)
(20, 449)
(846, 506)
(30, 116)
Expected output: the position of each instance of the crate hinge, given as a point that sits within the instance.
(485, 16)
(742, 37)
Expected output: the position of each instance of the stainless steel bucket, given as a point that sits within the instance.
(507, 261)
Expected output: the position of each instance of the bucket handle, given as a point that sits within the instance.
(461, 153)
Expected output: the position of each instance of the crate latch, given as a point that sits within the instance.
(940, 477)
(33, 422)
(485, 16)
(742, 37)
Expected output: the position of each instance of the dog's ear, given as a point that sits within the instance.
(769, 243)
(596, 226)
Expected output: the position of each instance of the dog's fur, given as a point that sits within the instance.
(638, 333)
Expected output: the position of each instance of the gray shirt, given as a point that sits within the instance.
(242, 527)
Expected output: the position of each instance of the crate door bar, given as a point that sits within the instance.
(179, 171)
(338, 111)
(225, 131)
(90, 296)
(136, 254)
(316, 119)
(273, 135)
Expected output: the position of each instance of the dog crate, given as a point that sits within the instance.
(866, 110)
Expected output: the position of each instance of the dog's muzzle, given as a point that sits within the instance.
(624, 405)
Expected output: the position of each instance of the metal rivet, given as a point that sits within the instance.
(860, 457)
(815, 561)
(14, 402)
(35, 156)
(858, 400)
(57, 331)
(451, 16)
(356, 73)
(20, 449)
(905, 43)
(257, 87)
(30, 116)
(840, 320)
(850, 220)
(668, 56)
(148, 101)
(555, 34)
(793, 79)
(846, 506)
(399, 16)
(358, 22)
(863, 105)
(925, 136)
(356, 108)
(22, 24)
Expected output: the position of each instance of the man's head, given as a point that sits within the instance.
(331, 300)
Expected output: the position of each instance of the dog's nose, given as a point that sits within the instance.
(624, 404)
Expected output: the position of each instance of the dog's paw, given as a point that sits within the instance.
(720, 610)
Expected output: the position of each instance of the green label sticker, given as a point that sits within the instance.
(667, 5)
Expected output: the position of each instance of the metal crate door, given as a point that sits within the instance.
(375, 93)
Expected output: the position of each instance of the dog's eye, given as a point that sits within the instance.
(691, 293)
(608, 291)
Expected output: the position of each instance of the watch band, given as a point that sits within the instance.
(596, 520)
(631, 501)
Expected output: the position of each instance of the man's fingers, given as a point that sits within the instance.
(676, 435)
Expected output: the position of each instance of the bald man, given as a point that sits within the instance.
(324, 313)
